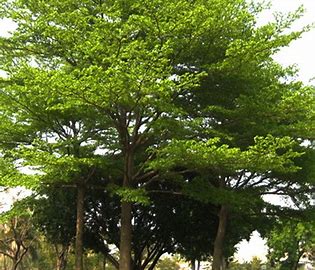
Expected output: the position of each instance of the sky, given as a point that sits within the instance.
(300, 52)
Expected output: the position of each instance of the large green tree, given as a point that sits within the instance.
(123, 76)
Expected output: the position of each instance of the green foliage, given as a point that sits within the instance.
(254, 264)
(131, 195)
(11, 174)
(168, 263)
(18, 210)
(289, 241)
(264, 155)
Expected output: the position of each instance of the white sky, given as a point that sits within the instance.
(301, 52)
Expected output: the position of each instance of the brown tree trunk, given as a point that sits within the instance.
(125, 236)
(126, 216)
(61, 257)
(19, 255)
(14, 264)
(79, 228)
(61, 263)
(219, 239)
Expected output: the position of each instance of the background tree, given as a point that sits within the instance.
(17, 236)
(200, 157)
(289, 241)
(168, 263)
(56, 223)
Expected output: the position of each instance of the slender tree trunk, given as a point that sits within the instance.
(18, 256)
(297, 259)
(126, 216)
(198, 265)
(14, 266)
(155, 261)
(109, 258)
(61, 257)
(125, 237)
(4, 263)
(193, 265)
(219, 239)
(79, 228)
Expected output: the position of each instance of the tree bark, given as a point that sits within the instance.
(18, 256)
(125, 236)
(79, 228)
(61, 257)
(14, 264)
(126, 213)
(219, 239)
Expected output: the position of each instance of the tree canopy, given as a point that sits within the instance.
(142, 98)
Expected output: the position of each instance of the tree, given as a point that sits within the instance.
(124, 76)
(56, 223)
(134, 82)
(200, 157)
(256, 263)
(289, 241)
(52, 143)
(168, 263)
(16, 238)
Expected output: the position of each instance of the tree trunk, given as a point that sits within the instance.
(109, 258)
(193, 265)
(198, 265)
(62, 257)
(19, 255)
(297, 259)
(126, 214)
(14, 265)
(79, 228)
(219, 239)
(4, 263)
(155, 261)
(125, 236)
